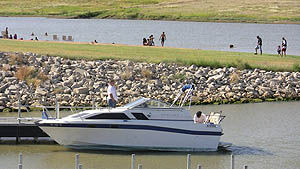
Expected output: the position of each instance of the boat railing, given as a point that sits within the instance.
(215, 118)
(185, 94)
(47, 114)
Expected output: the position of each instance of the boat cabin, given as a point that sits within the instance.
(141, 109)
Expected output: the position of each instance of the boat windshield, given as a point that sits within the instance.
(153, 104)
(147, 103)
(136, 102)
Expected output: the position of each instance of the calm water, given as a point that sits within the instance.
(264, 136)
(199, 35)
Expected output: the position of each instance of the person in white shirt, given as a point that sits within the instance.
(199, 117)
(112, 97)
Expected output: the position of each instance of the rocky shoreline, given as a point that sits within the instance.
(41, 80)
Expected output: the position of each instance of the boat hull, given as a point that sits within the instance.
(169, 136)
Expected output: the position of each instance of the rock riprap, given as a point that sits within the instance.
(41, 80)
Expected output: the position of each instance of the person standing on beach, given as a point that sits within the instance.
(259, 45)
(284, 46)
(6, 32)
(112, 97)
(162, 39)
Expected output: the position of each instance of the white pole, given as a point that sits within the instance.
(140, 166)
(133, 161)
(20, 158)
(57, 109)
(198, 166)
(188, 161)
(20, 165)
(93, 104)
(19, 110)
(76, 161)
(232, 161)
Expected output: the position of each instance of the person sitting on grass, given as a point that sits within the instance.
(145, 42)
(279, 50)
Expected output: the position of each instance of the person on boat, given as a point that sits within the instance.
(112, 97)
(199, 117)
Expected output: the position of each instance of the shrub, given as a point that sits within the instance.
(31, 76)
(234, 77)
(25, 72)
(42, 76)
(146, 73)
(127, 74)
(16, 59)
(34, 81)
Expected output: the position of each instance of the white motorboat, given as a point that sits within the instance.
(144, 124)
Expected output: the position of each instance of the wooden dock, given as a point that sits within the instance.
(18, 128)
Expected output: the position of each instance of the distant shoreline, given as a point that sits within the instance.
(246, 11)
(179, 20)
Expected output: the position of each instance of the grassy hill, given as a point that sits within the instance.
(262, 11)
(154, 54)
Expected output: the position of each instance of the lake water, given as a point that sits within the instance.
(264, 136)
(198, 35)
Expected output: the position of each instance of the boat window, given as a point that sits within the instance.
(110, 116)
(140, 116)
(154, 104)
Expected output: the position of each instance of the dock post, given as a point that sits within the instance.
(232, 161)
(140, 166)
(20, 165)
(198, 166)
(188, 161)
(133, 161)
(19, 111)
(245, 167)
(36, 139)
(57, 109)
(19, 122)
(76, 161)
(79, 166)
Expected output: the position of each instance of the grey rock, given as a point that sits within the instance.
(81, 90)
(41, 91)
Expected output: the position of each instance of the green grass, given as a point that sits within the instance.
(262, 11)
(180, 56)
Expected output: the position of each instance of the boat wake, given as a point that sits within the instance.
(245, 150)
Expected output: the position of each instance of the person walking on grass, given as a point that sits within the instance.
(162, 39)
(284, 46)
(259, 45)
(112, 97)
